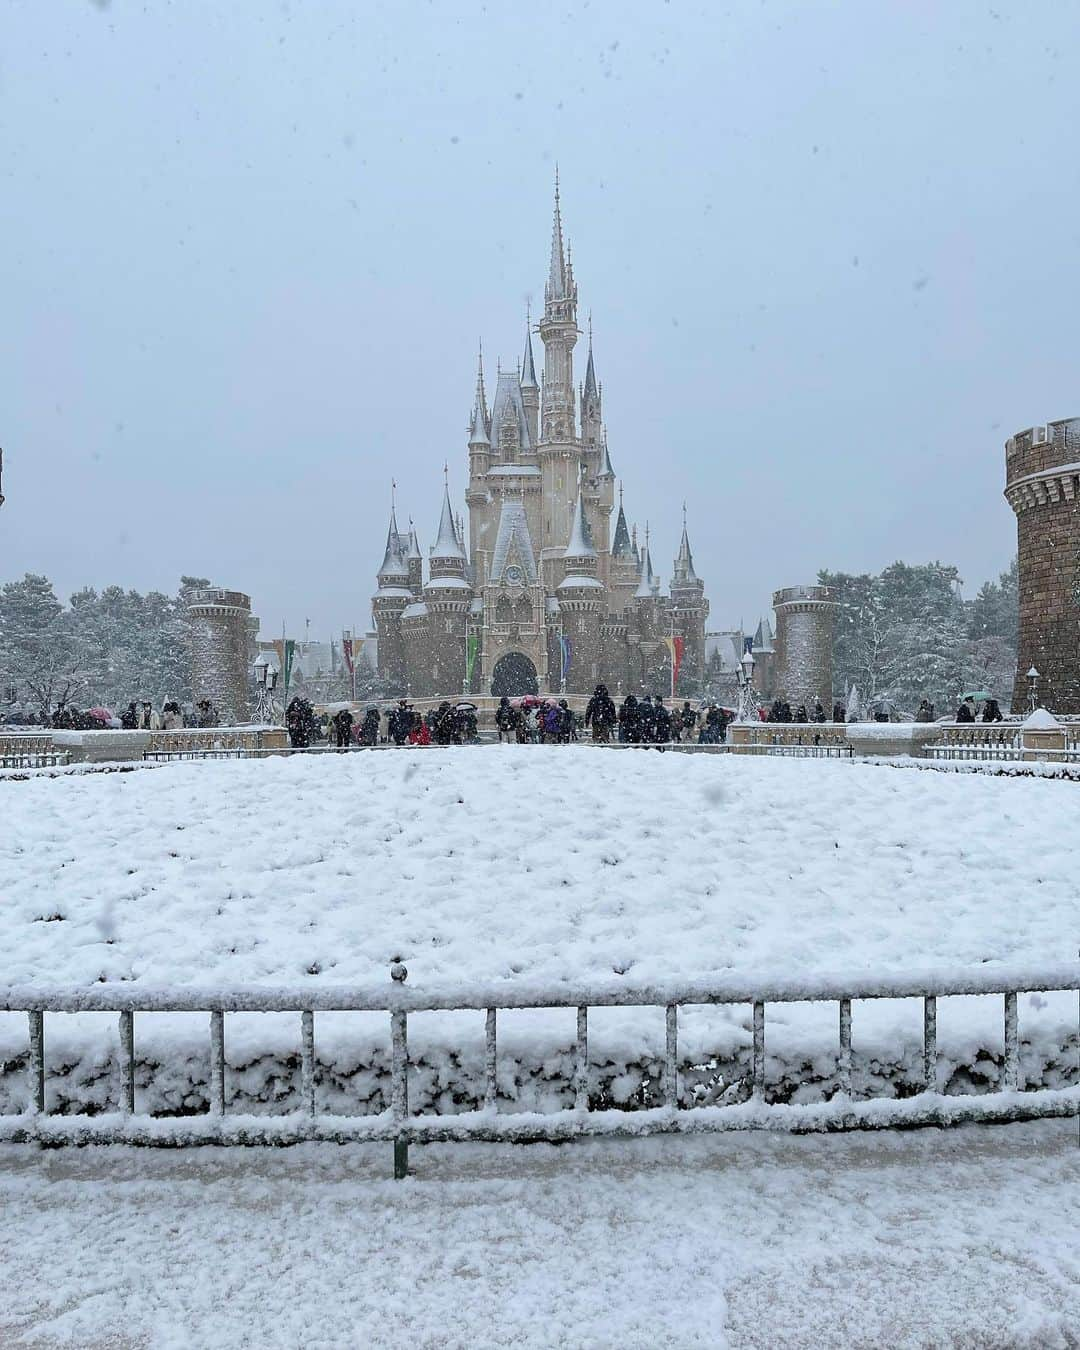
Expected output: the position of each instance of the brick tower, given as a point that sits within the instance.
(804, 643)
(1042, 485)
(219, 651)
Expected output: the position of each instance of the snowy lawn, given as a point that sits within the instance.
(961, 1238)
(501, 863)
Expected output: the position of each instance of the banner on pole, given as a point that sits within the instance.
(567, 648)
(472, 649)
(286, 652)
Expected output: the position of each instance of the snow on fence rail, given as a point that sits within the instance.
(841, 1112)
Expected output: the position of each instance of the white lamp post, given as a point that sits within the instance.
(1033, 681)
(748, 709)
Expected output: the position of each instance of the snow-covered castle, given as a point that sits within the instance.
(543, 596)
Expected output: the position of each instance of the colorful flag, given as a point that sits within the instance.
(286, 652)
(567, 655)
(347, 653)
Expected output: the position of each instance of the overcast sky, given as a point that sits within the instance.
(248, 249)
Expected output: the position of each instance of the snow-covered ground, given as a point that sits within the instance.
(960, 1238)
(506, 863)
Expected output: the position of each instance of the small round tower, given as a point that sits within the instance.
(219, 622)
(1042, 485)
(804, 644)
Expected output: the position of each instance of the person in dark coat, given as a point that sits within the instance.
(504, 719)
(369, 728)
(800, 714)
(600, 714)
(819, 711)
(628, 720)
(443, 729)
(343, 720)
(299, 722)
(839, 712)
(925, 712)
(646, 721)
(991, 712)
(400, 723)
(662, 722)
(966, 711)
(129, 718)
(688, 719)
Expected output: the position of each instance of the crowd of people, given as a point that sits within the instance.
(139, 715)
(531, 720)
(448, 724)
(781, 711)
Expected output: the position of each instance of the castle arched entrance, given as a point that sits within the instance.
(514, 675)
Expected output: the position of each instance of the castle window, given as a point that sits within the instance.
(503, 612)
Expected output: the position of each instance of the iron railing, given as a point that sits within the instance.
(841, 1112)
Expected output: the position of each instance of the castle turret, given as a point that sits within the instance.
(479, 430)
(1043, 488)
(689, 610)
(387, 605)
(804, 644)
(624, 564)
(581, 602)
(447, 596)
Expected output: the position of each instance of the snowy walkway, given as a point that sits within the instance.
(964, 1238)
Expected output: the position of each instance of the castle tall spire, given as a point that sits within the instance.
(590, 391)
(559, 332)
(556, 286)
(528, 370)
(394, 563)
(580, 544)
(447, 544)
(480, 425)
(684, 563)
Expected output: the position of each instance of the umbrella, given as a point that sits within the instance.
(102, 714)
(979, 695)
(464, 707)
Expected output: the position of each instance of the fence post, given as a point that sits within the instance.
(217, 1063)
(36, 1066)
(930, 1043)
(581, 1062)
(127, 1062)
(759, 1051)
(1012, 1045)
(671, 1057)
(307, 1062)
(491, 1086)
(845, 1047)
(399, 1071)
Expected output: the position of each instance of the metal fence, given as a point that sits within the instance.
(841, 1112)
(34, 759)
(798, 751)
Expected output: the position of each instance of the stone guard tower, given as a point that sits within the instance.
(219, 651)
(1042, 485)
(804, 645)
